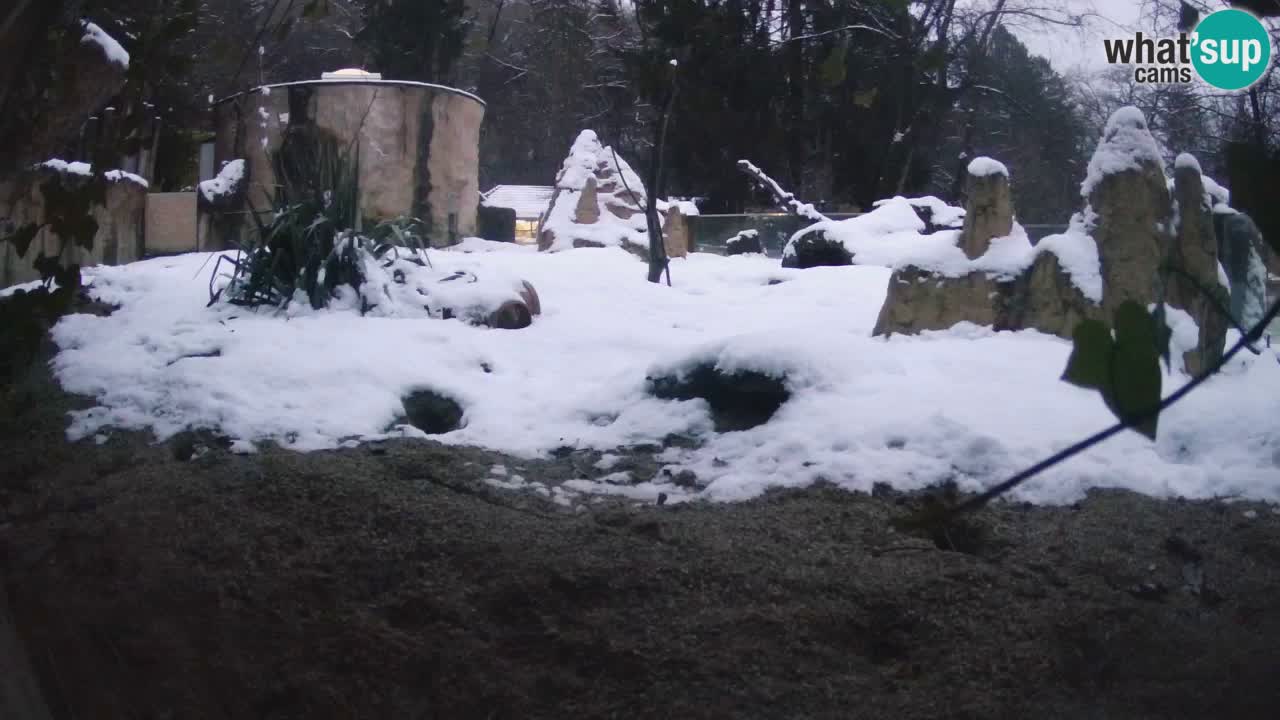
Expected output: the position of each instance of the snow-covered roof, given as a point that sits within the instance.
(351, 73)
(529, 201)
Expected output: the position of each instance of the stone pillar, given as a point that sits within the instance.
(676, 233)
(587, 210)
(988, 209)
(1195, 253)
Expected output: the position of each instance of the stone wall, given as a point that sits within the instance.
(171, 223)
(417, 145)
(119, 238)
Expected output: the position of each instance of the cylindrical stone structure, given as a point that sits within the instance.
(416, 146)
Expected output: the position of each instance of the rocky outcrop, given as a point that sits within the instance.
(1130, 210)
(1115, 251)
(926, 298)
(1193, 286)
(920, 299)
(989, 208)
(76, 217)
(1242, 252)
(1046, 298)
(598, 201)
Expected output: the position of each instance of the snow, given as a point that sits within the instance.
(68, 168)
(85, 169)
(1187, 160)
(1184, 334)
(529, 201)
(984, 166)
(226, 181)
(967, 404)
(114, 52)
(687, 207)
(118, 175)
(943, 215)
(892, 235)
(787, 199)
(1126, 144)
(1217, 196)
(1077, 253)
(585, 156)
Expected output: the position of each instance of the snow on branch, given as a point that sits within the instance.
(785, 200)
(112, 49)
(846, 28)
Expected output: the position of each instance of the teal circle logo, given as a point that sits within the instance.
(1230, 49)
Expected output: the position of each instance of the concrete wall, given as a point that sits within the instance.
(418, 146)
(171, 223)
(118, 240)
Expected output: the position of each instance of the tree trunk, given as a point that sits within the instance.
(658, 249)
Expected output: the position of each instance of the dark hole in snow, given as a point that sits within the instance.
(431, 412)
(817, 250)
(739, 400)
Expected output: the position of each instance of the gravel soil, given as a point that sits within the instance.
(181, 580)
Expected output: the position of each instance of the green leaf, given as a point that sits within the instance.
(1126, 369)
(22, 237)
(1089, 366)
(1135, 368)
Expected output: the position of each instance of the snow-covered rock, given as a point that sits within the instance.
(598, 201)
(745, 242)
(988, 208)
(892, 235)
(226, 184)
(1126, 144)
(984, 166)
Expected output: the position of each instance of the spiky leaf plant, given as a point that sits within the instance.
(314, 241)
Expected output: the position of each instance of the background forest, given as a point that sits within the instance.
(844, 101)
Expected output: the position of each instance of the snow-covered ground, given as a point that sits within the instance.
(966, 404)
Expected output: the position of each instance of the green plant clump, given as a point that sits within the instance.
(314, 242)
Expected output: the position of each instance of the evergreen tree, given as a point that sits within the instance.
(414, 39)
